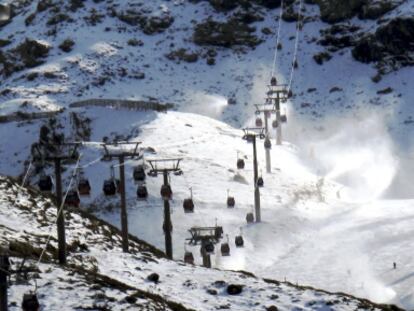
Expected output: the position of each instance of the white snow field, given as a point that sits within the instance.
(315, 230)
(100, 277)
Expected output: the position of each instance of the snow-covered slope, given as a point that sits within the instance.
(323, 221)
(332, 236)
(330, 232)
(106, 278)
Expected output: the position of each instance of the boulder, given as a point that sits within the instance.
(234, 289)
(153, 277)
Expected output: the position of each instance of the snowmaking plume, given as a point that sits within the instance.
(355, 150)
(210, 105)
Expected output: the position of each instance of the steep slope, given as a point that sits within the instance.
(317, 208)
(313, 221)
(106, 278)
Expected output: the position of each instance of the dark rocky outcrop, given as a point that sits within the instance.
(148, 24)
(228, 5)
(225, 34)
(333, 11)
(376, 9)
(67, 45)
(320, 58)
(234, 289)
(153, 277)
(28, 54)
(394, 40)
(182, 55)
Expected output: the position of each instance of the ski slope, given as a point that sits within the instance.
(316, 230)
(100, 276)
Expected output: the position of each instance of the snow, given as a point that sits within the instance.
(103, 257)
(331, 236)
(343, 235)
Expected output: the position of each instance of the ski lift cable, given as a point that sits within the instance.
(59, 211)
(126, 162)
(27, 174)
(277, 39)
(91, 163)
(296, 46)
(87, 164)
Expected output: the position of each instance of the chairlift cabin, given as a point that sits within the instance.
(267, 143)
(189, 258)
(142, 192)
(240, 164)
(139, 173)
(231, 202)
(225, 249)
(166, 192)
(30, 302)
(239, 241)
(259, 122)
(283, 118)
(260, 181)
(45, 183)
(109, 187)
(249, 218)
(84, 187)
(275, 124)
(208, 247)
(72, 198)
(188, 203)
(290, 94)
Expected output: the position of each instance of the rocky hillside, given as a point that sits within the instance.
(99, 276)
(200, 53)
